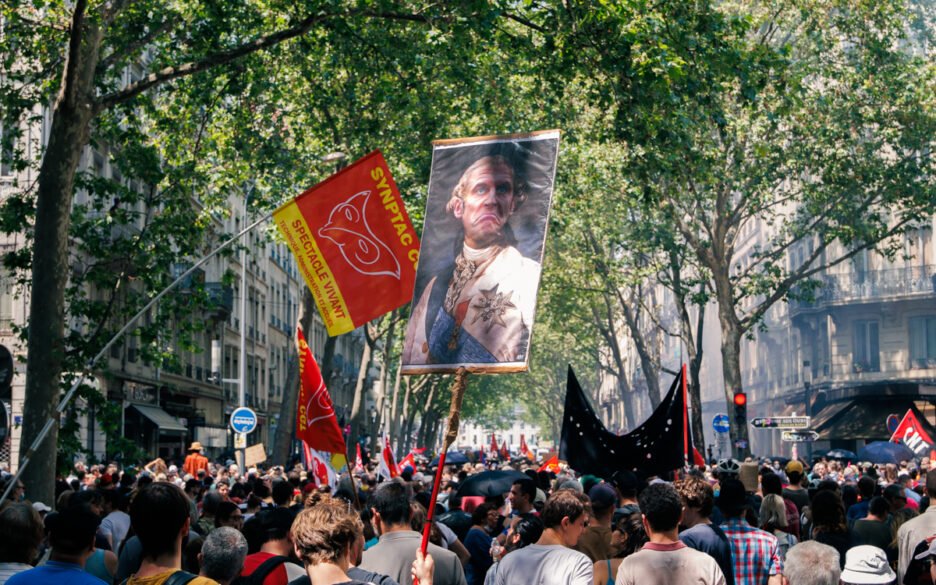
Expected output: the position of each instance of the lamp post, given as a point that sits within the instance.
(807, 378)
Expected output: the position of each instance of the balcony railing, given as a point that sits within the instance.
(872, 285)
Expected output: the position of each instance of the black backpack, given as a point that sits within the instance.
(261, 572)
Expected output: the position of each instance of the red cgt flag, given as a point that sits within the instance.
(354, 244)
(494, 449)
(551, 465)
(315, 417)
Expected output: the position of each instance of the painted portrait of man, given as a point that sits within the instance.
(479, 264)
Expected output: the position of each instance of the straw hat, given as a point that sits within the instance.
(196, 446)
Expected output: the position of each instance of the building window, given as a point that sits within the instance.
(923, 342)
(866, 353)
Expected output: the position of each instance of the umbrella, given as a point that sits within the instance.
(843, 454)
(884, 452)
(489, 483)
(451, 458)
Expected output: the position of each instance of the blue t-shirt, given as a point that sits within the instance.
(713, 541)
(55, 573)
(858, 511)
(479, 546)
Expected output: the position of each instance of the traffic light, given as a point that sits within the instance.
(740, 409)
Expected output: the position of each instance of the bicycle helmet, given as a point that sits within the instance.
(727, 468)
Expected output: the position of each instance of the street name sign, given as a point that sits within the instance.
(799, 436)
(781, 422)
(720, 423)
(243, 420)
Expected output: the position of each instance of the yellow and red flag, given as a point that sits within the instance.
(354, 244)
(551, 465)
(525, 450)
(315, 416)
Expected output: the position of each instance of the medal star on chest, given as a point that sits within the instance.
(491, 306)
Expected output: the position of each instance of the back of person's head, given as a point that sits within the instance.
(223, 554)
(193, 485)
(632, 527)
(773, 512)
(696, 493)
(661, 506)
(392, 501)
(565, 503)
(603, 500)
(224, 511)
(211, 501)
(86, 499)
(71, 531)
(866, 486)
(157, 514)
(274, 523)
(771, 484)
(879, 507)
(479, 516)
(21, 533)
(828, 513)
(324, 532)
(732, 498)
(282, 492)
(812, 563)
(931, 483)
(529, 529)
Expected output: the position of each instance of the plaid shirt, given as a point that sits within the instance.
(756, 553)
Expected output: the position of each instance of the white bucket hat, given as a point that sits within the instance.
(867, 565)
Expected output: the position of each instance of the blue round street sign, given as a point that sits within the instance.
(243, 420)
(720, 423)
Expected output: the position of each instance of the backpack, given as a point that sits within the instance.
(261, 572)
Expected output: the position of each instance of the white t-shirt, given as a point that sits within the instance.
(116, 524)
(544, 565)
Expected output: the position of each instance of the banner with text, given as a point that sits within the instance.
(354, 244)
(911, 433)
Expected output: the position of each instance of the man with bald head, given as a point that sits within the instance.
(479, 309)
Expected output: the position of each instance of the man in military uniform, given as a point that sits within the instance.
(480, 308)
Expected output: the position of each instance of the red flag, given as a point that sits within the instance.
(504, 452)
(358, 462)
(408, 461)
(387, 467)
(315, 420)
(551, 465)
(697, 457)
(912, 434)
(525, 450)
(494, 448)
(354, 244)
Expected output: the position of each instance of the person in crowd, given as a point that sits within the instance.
(896, 497)
(867, 565)
(394, 551)
(771, 484)
(666, 559)
(229, 515)
(596, 540)
(829, 525)
(195, 461)
(627, 537)
(269, 538)
(21, 533)
(551, 560)
(873, 528)
(794, 490)
(699, 532)
(456, 518)
(626, 484)
(756, 553)
(159, 517)
(913, 531)
(222, 555)
(116, 522)
(524, 530)
(71, 535)
(522, 494)
(812, 563)
(209, 508)
(478, 542)
(773, 517)
(866, 489)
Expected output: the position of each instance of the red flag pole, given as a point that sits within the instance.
(451, 433)
(685, 419)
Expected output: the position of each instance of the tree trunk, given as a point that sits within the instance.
(286, 428)
(71, 117)
(731, 360)
(643, 351)
(393, 427)
(357, 403)
(384, 370)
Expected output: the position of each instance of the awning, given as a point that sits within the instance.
(863, 419)
(162, 419)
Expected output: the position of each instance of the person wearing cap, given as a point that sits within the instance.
(794, 491)
(666, 559)
(626, 484)
(755, 552)
(71, 535)
(596, 540)
(866, 565)
(913, 531)
(195, 461)
(698, 531)
(811, 563)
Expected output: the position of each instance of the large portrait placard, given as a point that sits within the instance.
(481, 250)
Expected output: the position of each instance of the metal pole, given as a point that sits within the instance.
(53, 420)
(241, 454)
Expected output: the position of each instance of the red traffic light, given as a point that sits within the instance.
(740, 399)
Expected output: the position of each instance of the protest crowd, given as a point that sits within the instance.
(748, 523)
